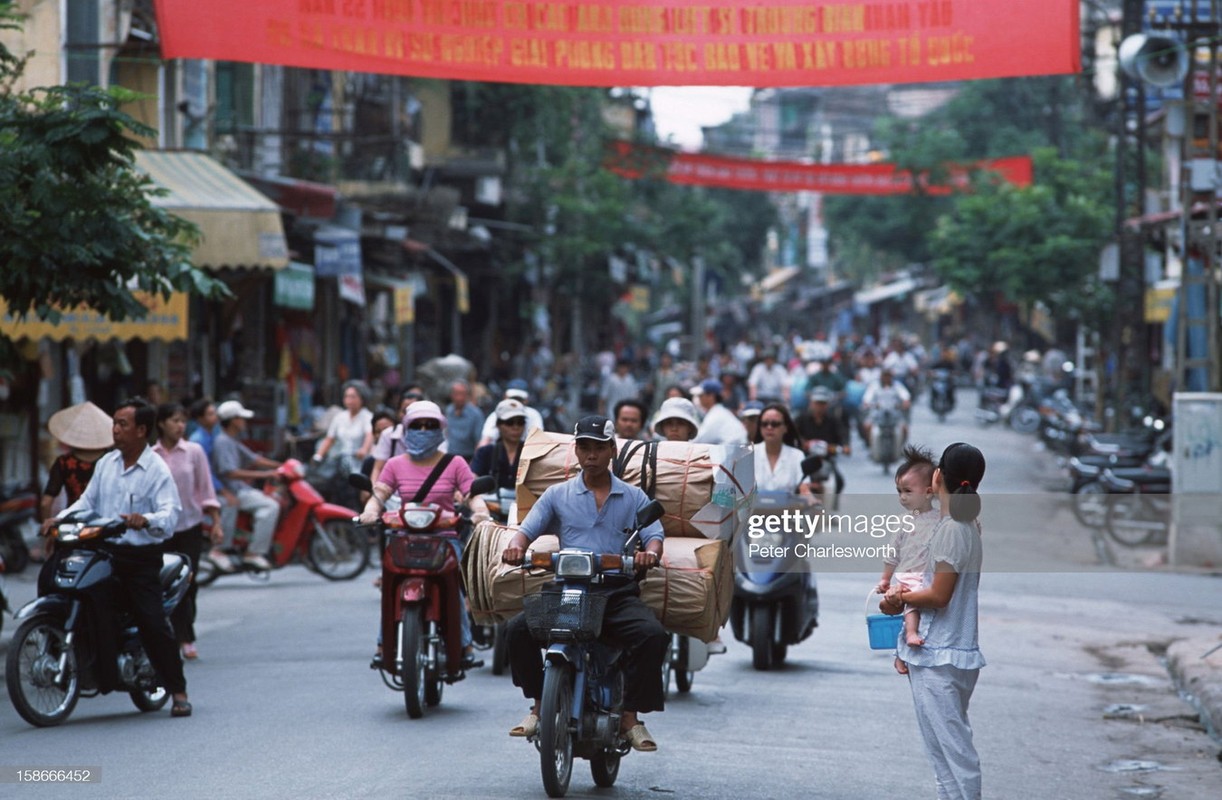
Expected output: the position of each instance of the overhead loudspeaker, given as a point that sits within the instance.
(1157, 60)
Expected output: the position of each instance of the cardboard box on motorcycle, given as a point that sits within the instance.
(690, 591)
(704, 488)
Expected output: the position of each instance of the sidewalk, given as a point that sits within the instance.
(1200, 678)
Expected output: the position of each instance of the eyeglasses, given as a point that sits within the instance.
(772, 423)
(425, 425)
(516, 422)
(412, 396)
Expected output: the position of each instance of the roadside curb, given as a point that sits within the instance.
(1199, 678)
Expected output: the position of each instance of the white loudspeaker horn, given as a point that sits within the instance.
(1157, 60)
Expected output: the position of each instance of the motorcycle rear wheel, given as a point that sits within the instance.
(411, 638)
(761, 637)
(683, 675)
(32, 655)
(604, 768)
(150, 701)
(338, 550)
(555, 736)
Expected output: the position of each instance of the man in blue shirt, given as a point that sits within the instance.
(592, 512)
(464, 422)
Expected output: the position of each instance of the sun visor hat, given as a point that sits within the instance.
(423, 409)
(595, 427)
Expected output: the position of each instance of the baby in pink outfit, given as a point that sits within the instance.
(908, 555)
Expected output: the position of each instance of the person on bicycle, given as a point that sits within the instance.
(591, 512)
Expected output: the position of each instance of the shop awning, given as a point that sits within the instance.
(303, 198)
(888, 291)
(240, 228)
(776, 279)
(166, 320)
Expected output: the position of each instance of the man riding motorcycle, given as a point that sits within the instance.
(886, 393)
(134, 484)
(591, 512)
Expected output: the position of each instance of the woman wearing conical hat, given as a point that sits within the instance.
(86, 431)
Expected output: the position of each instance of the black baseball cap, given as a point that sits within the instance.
(595, 427)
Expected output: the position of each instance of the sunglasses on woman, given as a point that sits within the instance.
(772, 423)
(424, 425)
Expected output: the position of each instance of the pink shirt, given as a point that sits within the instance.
(406, 478)
(189, 466)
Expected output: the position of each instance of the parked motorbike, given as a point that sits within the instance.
(1142, 515)
(321, 534)
(54, 657)
(3, 599)
(776, 602)
(18, 525)
(583, 685)
(886, 438)
(421, 625)
(941, 393)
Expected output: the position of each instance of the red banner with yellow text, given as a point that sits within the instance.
(637, 42)
(695, 169)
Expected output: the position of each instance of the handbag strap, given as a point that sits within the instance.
(439, 468)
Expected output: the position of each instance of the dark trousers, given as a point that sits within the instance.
(189, 543)
(628, 624)
(139, 573)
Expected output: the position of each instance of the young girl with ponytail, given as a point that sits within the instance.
(942, 672)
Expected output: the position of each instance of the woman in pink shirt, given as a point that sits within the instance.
(423, 433)
(201, 513)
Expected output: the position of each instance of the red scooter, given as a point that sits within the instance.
(422, 604)
(321, 534)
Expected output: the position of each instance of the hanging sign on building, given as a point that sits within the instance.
(637, 42)
(641, 161)
(165, 320)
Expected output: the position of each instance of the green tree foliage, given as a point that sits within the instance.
(76, 223)
(1041, 242)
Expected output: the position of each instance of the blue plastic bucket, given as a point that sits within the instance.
(884, 629)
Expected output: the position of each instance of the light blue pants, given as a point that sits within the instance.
(940, 696)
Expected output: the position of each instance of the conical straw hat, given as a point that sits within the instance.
(83, 426)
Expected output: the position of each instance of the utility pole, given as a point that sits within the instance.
(1197, 365)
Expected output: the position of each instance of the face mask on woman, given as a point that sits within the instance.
(423, 443)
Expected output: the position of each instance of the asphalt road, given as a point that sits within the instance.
(285, 705)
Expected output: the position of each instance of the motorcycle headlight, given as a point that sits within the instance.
(419, 518)
(574, 565)
(70, 532)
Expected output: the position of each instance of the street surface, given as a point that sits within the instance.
(1074, 703)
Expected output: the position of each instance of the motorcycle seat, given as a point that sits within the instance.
(1147, 477)
(171, 565)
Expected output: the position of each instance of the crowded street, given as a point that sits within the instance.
(1073, 704)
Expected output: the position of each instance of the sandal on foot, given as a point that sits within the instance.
(640, 739)
(529, 726)
(180, 708)
(189, 652)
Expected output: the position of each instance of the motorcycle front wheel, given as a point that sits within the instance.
(1025, 420)
(604, 768)
(555, 737)
(338, 550)
(411, 651)
(41, 694)
(150, 701)
(761, 637)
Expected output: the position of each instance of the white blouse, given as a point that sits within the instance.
(787, 474)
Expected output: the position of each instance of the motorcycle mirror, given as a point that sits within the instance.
(483, 485)
(811, 465)
(359, 480)
(649, 514)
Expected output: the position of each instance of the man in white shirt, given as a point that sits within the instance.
(886, 393)
(719, 425)
(769, 381)
(516, 390)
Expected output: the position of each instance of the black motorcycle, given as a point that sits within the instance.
(58, 653)
(18, 524)
(941, 393)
